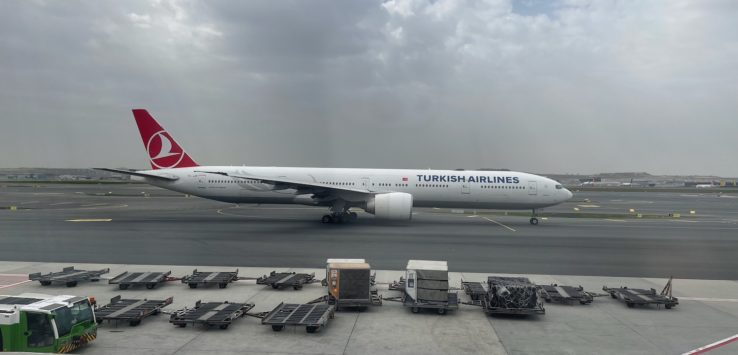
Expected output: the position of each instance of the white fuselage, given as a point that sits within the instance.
(429, 188)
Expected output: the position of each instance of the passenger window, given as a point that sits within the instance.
(39, 327)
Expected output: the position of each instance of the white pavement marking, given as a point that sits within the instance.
(713, 346)
(614, 220)
(90, 220)
(15, 284)
(60, 203)
(706, 299)
(499, 224)
(682, 220)
(588, 206)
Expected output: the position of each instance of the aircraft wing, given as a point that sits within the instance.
(303, 186)
(141, 174)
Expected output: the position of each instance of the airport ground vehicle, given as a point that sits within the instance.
(426, 286)
(46, 324)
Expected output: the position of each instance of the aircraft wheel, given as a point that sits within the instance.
(327, 219)
(534, 221)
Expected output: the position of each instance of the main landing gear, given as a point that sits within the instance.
(534, 219)
(339, 218)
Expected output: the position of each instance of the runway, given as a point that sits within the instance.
(138, 224)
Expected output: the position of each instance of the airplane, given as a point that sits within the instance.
(388, 194)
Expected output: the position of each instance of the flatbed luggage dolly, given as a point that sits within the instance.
(210, 314)
(149, 279)
(132, 311)
(68, 276)
(279, 280)
(642, 297)
(313, 316)
(207, 278)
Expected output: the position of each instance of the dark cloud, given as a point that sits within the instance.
(566, 86)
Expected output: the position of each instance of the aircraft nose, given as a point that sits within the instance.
(567, 194)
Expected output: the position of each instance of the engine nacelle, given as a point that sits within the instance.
(393, 206)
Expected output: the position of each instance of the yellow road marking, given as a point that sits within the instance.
(90, 220)
(499, 224)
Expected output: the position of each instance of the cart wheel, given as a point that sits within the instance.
(583, 302)
(224, 326)
(415, 309)
(630, 304)
(311, 329)
(182, 325)
(45, 283)
(71, 283)
(297, 287)
(193, 285)
(441, 311)
(134, 323)
(667, 306)
(613, 295)
(275, 286)
(222, 285)
(150, 286)
(548, 300)
(122, 287)
(277, 328)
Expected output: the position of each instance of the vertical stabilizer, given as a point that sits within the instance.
(163, 150)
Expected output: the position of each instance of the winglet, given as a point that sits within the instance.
(163, 150)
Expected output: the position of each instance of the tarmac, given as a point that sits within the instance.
(139, 228)
(140, 224)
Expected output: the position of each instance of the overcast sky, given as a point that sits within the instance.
(534, 85)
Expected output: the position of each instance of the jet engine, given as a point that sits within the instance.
(396, 206)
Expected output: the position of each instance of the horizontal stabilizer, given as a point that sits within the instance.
(138, 173)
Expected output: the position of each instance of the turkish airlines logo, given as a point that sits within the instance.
(163, 152)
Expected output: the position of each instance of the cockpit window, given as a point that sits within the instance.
(559, 187)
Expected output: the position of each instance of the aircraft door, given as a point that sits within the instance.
(201, 180)
(532, 188)
(366, 183)
(465, 189)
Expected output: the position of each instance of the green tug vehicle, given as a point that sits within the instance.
(46, 324)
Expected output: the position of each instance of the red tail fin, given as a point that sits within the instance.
(164, 152)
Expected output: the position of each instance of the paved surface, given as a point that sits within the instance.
(140, 224)
(708, 311)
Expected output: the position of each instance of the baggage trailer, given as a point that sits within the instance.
(37, 323)
(512, 295)
(641, 297)
(208, 278)
(426, 287)
(132, 311)
(68, 276)
(350, 284)
(313, 316)
(475, 290)
(210, 314)
(149, 279)
(280, 280)
(566, 294)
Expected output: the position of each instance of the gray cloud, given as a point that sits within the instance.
(566, 86)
